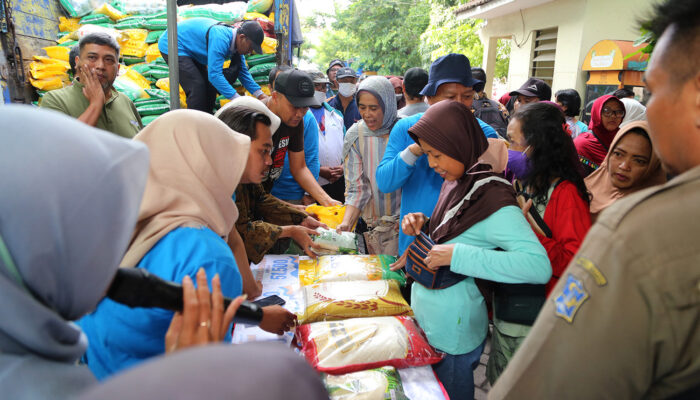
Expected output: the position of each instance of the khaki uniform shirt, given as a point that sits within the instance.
(260, 218)
(118, 116)
(624, 320)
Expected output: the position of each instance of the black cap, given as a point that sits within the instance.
(534, 87)
(298, 87)
(345, 72)
(451, 68)
(414, 80)
(253, 31)
(337, 61)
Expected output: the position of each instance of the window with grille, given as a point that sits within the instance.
(545, 47)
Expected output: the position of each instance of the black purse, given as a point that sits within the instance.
(416, 268)
(519, 303)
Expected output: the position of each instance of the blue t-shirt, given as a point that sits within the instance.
(350, 115)
(420, 185)
(120, 337)
(286, 187)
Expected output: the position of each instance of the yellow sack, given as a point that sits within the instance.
(152, 53)
(271, 17)
(331, 216)
(253, 15)
(58, 52)
(46, 60)
(52, 83)
(341, 268)
(137, 78)
(269, 45)
(110, 11)
(332, 301)
(40, 70)
(135, 34)
(64, 39)
(68, 24)
(164, 83)
(223, 102)
(134, 48)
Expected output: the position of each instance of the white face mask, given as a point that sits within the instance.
(346, 89)
(320, 96)
(398, 97)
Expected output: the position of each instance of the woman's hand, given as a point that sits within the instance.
(400, 262)
(302, 236)
(202, 319)
(276, 319)
(439, 255)
(413, 223)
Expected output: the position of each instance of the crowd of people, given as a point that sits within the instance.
(575, 240)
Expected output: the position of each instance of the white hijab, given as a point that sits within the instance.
(634, 111)
(69, 200)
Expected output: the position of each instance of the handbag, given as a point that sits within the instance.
(518, 303)
(417, 269)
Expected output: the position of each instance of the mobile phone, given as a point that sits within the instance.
(273, 300)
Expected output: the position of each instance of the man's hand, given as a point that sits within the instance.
(312, 223)
(336, 173)
(302, 236)
(92, 89)
(277, 320)
(262, 96)
(400, 263)
(325, 172)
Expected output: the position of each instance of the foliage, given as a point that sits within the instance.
(446, 34)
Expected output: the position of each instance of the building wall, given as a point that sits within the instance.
(581, 23)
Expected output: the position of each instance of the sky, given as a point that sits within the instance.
(307, 8)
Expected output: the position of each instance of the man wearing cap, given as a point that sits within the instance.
(333, 68)
(203, 46)
(533, 90)
(414, 80)
(345, 100)
(290, 100)
(404, 166)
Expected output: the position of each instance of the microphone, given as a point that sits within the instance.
(135, 287)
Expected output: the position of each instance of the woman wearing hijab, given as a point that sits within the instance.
(630, 166)
(592, 146)
(475, 215)
(634, 111)
(363, 149)
(397, 83)
(185, 217)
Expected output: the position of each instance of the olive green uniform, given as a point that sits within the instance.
(624, 320)
(118, 115)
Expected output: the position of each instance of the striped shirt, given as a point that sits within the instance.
(361, 189)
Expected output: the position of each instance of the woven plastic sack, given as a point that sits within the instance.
(269, 45)
(153, 54)
(251, 16)
(95, 19)
(153, 109)
(262, 69)
(332, 242)
(255, 59)
(340, 347)
(331, 216)
(88, 29)
(40, 70)
(144, 7)
(337, 268)
(50, 83)
(131, 89)
(157, 24)
(164, 83)
(229, 12)
(131, 23)
(135, 34)
(375, 384)
(133, 60)
(79, 8)
(154, 36)
(148, 119)
(68, 24)
(352, 299)
(158, 93)
(150, 100)
(68, 43)
(110, 11)
(259, 6)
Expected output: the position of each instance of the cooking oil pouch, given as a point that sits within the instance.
(338, 268)
(352, 299)
(331, 216)
(375, 384)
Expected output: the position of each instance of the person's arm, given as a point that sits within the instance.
(217, 53)
(523, 259)
(489, 132)
(305, 179)
(251, 287)
(247, 80)
(311, 144)
(398, 162)
(357, 189)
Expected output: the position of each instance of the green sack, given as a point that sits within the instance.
(148, 119)
(262, 79)
(95, 19)
(153, 36)
(149, 101)
(156, 24)
(153, 109)
(133, 60)
(131, 23)
(69, 43)
(159, 61)
(79, 8)
(158, 93)
(158, 15)
(255, 59)
(259, 6)
(158, 74)
(141, 68)
(262, 69)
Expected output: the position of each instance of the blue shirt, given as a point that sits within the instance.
(420, 185)
(119, 336)
(350, 114)
(192, 42)
(286, 187)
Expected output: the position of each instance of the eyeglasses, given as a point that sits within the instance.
(607, 112)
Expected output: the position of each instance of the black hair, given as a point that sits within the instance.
(74, 52)
(274, 71)
(479, 73)
(99, 38)
(553, 154)
(571, 99)
(643, 133)
(243, 119)
(623, 93)
(680, 19)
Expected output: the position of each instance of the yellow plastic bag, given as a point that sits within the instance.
(253, 15)
(164, 83)
(331, 216)
(57, 52)
(40, 70)
(47, 61)
(332, 301)
(339, 268)
(269, 45)
(52, 83)
(68, 24)
(110, 11)
(152, 53)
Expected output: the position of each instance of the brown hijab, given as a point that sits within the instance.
(196, 164)
(452, 129)
(599, 182)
